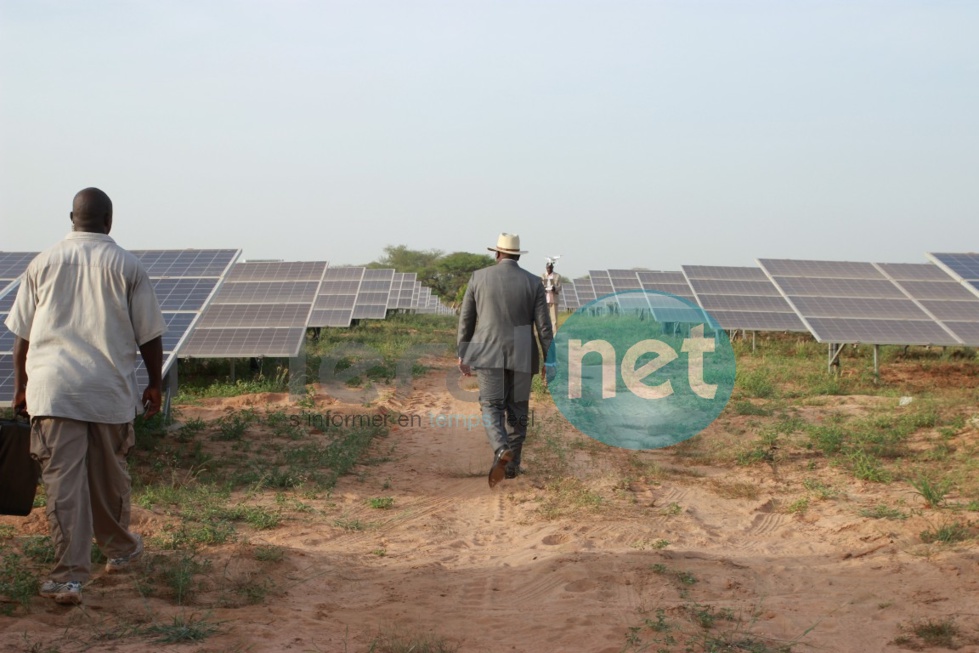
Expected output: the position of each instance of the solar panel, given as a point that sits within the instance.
(962, 267)
(185, 282)
(415, 292)
(943, 298)
(601, 282)
(395, 295)
(673, 283)
(262, 309)
(334, 305)
(624, 280)
(372, 300)
(570, 296)
(820, 269)
(585, 291)
(163, 263)
(6, 379)
(183, 294)
(742, 298)
(408, 282)
(853, 302)
(725, 273)
(254, 315)
(268, 292)
(245, 342)
(12, 265)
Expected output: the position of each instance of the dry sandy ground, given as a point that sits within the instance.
(493, 570)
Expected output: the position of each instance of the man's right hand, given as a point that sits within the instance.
(152, 398)
(20, 403)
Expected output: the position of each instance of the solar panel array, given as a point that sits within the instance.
(184, 282)
(742, 298)
(853, 302)
(262, 309)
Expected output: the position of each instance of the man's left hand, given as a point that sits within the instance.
(152, 398)
(549, 371)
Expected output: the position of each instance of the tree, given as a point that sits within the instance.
(453, 272)
(444, 274)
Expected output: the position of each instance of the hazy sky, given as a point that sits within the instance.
(617, 134)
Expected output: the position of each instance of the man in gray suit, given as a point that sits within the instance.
(502, 306)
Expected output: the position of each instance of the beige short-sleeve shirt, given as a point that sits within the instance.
(85, 306)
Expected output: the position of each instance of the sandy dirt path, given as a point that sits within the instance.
(512, 569)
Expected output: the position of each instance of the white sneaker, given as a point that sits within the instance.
(69, 593)
(123, 563)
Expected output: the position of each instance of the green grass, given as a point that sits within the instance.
(351, 524)
(880, 511)
(18, 581)
(411, 642)
(381, 503)
(189, 628)
(947, 533)
(933, 492)
(269, 553)
(937, 632)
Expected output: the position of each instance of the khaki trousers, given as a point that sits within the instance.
(552, 310)
(83, 468)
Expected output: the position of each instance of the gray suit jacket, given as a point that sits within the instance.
(502, 305)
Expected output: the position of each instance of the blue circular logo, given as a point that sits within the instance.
(641, 370)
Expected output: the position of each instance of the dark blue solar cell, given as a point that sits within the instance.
(965, 265)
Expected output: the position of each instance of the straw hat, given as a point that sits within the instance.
(507, 244)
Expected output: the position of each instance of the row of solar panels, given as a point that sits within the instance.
(215, 307)
(934, 303)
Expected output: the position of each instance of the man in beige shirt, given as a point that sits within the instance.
(83, 308)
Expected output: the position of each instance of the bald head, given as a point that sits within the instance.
(91, 211)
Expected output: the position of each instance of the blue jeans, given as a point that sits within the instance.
(504, 396)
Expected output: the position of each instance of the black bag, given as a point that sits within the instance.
(19, 472)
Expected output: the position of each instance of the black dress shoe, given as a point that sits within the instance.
(498, 470)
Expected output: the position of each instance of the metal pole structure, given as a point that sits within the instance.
(170, 387)
(232, 370)
(752, 342)
(876, 367)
